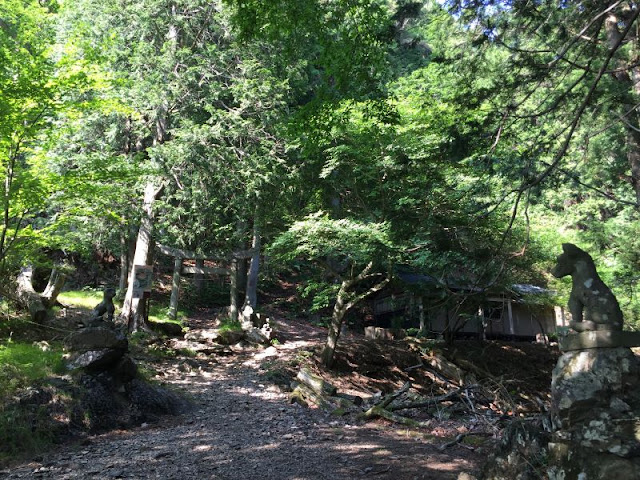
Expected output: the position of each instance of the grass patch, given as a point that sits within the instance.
(160, 314)
(22, 364)
(228, 325)
(25, 431)
(85, 298)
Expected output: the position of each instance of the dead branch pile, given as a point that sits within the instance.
(461, 389)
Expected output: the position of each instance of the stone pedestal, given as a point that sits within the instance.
(596, 408)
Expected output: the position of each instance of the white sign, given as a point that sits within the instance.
(142, 280)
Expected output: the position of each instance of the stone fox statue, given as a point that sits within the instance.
(591, 303)
(105, 306)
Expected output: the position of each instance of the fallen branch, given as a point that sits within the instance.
(378, 411)
(460, 437)
(436, 377)
(386, 400)
(434, 400)
(480, 372)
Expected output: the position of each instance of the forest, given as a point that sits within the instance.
(298, 158)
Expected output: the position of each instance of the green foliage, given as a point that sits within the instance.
(317, 237)
(31, 95)
(159, 313)
(433, 140)
(230, 325)
(22, 364)
(320, 292)
(344, 41)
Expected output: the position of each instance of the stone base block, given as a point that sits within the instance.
(599, 339)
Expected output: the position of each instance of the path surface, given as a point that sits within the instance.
(243, 428)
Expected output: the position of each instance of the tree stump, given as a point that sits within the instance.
(28, 297)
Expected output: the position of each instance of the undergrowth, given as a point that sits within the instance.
(229, 325)
(22, 365)
(159, 313)
(24, 432)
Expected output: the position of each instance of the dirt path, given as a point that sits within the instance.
(243, 428)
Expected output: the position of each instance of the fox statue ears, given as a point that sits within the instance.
(571, 250)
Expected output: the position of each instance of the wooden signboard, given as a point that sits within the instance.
(142, 280)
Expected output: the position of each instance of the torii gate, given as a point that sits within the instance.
(179, 269)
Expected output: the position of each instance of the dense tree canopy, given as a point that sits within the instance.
(464, 139)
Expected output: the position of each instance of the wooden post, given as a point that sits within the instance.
(233, 290)
(175, 288)
(512, 330)
(198, 277)
(423, 325)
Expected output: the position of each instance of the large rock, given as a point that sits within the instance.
(230, 337)
(167, 328)
(96, 348)
(96, 338)
(593, 379)
(202, 336)
(256, 335)
(109, 404)
(95, 360)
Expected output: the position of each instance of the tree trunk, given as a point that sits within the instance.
(633, 156)
(251, 294)
(423, 324)
(233, 290)
(316, 383)
(629, 76)
(54, 287)
(28, 297)
(124, 263)
(343, 305)
(175, 288)
(339, 311)
(198, 277)
(133, 309)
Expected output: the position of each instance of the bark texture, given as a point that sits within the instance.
(133, 309)
(345, 300)
(28, 297)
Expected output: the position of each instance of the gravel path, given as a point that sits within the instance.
(243, 428)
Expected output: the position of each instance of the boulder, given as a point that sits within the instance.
(256, 335)
(203, 336)
(95, 360)
(96, 338)
(230, 337)
(125, 370)
(378, 333)
(167, 328)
